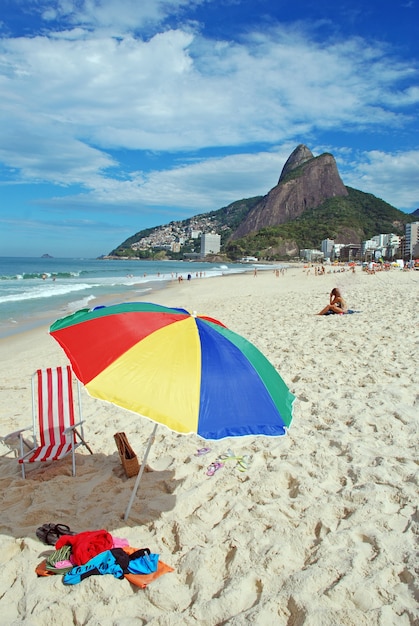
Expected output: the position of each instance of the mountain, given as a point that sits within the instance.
(308, 204)
(300, 155)
(351, 219)
(305, 183)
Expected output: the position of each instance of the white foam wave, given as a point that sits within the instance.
(45, 291)
(76, 305)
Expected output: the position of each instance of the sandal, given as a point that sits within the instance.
(213, 468)
(50, 533)
(229, 456)
(244, 462)
(202, 451)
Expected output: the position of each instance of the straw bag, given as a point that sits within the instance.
(127, 455)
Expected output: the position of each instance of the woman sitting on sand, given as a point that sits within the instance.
(336, 305)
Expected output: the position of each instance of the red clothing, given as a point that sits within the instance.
(86, 545)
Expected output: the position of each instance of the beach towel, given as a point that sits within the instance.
(86, 545)
(348, 312)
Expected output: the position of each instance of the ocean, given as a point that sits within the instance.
(37, 291)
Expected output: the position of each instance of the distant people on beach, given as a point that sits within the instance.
(336, 304)
(371, 267)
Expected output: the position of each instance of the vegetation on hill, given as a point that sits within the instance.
(228, 219)
(224, 221)
(349, 219)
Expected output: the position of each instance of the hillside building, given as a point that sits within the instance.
(194, 234)
(210, 244)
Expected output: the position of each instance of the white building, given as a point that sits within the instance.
(327, 247)
(380, 240)
(412, 237)
(368, 244)
(312, 255)
(386, 240)
(210, 244)
(336, 250)
(383, 245)
(393, 240)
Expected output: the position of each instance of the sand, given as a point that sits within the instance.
(320, 530)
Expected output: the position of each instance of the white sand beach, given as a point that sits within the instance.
(322, 528)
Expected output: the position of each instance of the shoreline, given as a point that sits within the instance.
(77, 284)
(158, 291)
(46, 318)
(148, 291)
(321, 528)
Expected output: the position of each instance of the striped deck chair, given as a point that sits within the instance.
(55, 431)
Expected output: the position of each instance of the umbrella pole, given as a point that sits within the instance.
(140, 473)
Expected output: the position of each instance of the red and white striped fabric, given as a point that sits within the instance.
(55, 414)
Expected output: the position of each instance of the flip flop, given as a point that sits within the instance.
(202, 451)
(229, 456)
(50, 533)
(243, 462)
(213, 468)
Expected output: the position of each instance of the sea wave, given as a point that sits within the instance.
(40, 275)
(76, 305)
(45, 291)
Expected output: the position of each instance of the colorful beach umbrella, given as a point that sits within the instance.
(186, 371)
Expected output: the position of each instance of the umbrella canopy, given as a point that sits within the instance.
(186, 371)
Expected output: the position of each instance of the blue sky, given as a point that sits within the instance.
(119, 115)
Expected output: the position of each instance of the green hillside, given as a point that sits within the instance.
(349, 219)
(224, 221)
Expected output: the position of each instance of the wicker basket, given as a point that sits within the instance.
(127, 455)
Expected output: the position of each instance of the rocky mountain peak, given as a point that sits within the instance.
(300, 155)
(316, 180)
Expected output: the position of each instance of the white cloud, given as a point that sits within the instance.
(124, 14)
(72, 98)
(230, 178)
(57, 158)
(390, 176)
(210, 184)
(178, 91)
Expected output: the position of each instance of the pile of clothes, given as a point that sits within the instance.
(80, 555)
